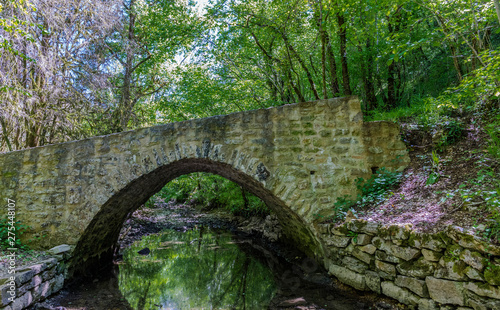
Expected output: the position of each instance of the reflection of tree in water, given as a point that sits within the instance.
(194, 269)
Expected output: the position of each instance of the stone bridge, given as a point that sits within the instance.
(297, 158)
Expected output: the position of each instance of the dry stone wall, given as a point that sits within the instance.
(439, 271)
(29, 285)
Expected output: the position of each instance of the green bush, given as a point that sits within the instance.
(4, 234)
(211, 191)
(372, 191)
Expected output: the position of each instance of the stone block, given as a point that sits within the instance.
(431, 256)
(427, 304)
(451, 269)
(373, 281)
(363, 239)
(365, 257)
(354, 264)
(338, 241)
(417, 269)
(387, 268)
(473, 259)
(369, 248)
(402, 295)
(473, 274)
(381, 255)
(348, 277)
(483, 289)
(416, 286)
(446, 292)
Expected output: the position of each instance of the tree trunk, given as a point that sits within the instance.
(497, 8)
(343, 53)
(334, 82)
(303, 65)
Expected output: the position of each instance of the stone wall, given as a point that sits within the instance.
(445, 270)
(34, 283)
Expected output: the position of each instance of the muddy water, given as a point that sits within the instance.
(199, 267)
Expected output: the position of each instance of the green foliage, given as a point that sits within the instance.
(375, 189)
(493, 130)
(211, 191)
(372, 191)
(19, 229)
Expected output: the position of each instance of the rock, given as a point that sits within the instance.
(473, 274)
(405, 253)
(416, 286)
(363, 239)
(471, 242)
(380, 255)
(451, 269)
(473, 259)
(60, 249)
(417, 269)
(427, 304)
(492, 274)
(354, 264)
(446, 292)
(431, 256)
(387, 268)
(338, 241)
(372, 280)
(365, 257)
(369, 248)
(398, 293)
(483, 289)
(348, 277)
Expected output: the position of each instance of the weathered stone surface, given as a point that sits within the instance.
(427, 304)
(338, 241)
(348, 277)
(354, 264)
(473, 259)
(373, 281)
(381, 255)
(451, 269)
(431, 256)
(405, 253)
(446, 292)
(416, 286)
(473, 274)
(492, 274)
(365, 257)
(387, 268)
(59, 249)
(398, 293)
(369, 248)
(363, 239)
(418, 269)
(468, 241)
(483, 289)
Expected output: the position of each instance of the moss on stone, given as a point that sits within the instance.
(492, 274)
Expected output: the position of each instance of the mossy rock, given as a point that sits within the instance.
(492, 274)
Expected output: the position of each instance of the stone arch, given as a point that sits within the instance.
(96, 244)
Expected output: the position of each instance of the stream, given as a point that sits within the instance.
(195, 260)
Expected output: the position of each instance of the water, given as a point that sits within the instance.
(197, 269)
